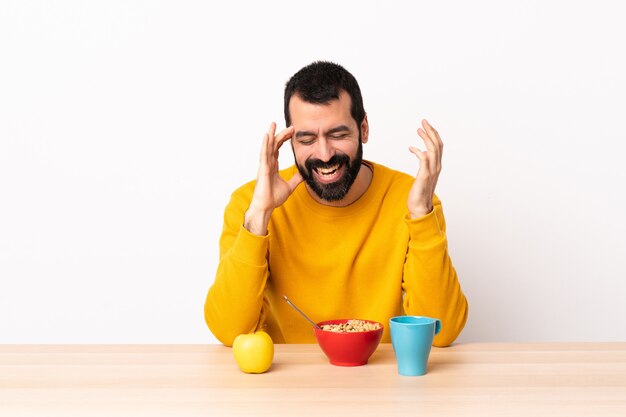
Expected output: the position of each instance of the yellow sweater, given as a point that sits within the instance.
(365, 261)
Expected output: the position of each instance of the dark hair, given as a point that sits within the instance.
(321, 82)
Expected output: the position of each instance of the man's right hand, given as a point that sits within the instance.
(271, 190)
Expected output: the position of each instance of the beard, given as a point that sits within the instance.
(337, 190)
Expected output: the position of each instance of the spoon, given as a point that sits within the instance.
(299, 311)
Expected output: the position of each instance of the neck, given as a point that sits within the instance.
(359, 187)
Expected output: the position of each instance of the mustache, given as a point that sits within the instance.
(337, 159)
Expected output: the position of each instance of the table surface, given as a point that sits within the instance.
(581, 379)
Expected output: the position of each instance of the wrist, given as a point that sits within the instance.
(416, 213)
(256, 220)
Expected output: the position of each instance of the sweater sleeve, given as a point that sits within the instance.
(430, 281)
(235, 303)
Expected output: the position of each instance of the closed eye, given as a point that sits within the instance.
(338, 132)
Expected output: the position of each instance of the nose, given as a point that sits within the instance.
(324, 150)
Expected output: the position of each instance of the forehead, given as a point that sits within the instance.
(308, 116)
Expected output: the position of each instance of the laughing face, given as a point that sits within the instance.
(327, 145)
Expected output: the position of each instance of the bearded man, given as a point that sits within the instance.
(341, 236)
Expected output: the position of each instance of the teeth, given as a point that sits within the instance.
(327, 171)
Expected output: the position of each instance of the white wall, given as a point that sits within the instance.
(125, 125)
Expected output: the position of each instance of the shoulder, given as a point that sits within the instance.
(394, 182)
(391, 178)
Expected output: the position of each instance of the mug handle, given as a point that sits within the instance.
(437, 326)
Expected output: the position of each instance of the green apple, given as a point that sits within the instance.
(254, 352)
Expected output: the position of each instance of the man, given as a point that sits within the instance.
(340, 236)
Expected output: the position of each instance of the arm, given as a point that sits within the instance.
(430, 282)
(235, 302)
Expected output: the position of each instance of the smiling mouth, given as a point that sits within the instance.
(327, 172)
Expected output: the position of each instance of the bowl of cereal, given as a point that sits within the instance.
(348, 342)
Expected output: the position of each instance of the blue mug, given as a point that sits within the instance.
(412, 338)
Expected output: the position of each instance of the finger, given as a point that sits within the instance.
(269, 154)
(438, 136)
(424, 135)
(438, 142)
(263, 154)
(421, 155)
(285, 133)
(435, 148)
(423, 158)
(432, 132)
(283, 136)
(434, 152)
(272, 130)
(428, 141)
(271, 143)
(294, 181)
(417, 152)
(271, 133)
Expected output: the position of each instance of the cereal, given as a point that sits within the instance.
(351, 326)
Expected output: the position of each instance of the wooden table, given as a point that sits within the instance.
(203, 380)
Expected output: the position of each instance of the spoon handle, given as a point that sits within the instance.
(301, 313)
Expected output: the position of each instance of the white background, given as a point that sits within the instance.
(125, 126)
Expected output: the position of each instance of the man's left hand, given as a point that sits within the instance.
(420, 201)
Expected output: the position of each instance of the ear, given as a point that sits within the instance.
(365, 129)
